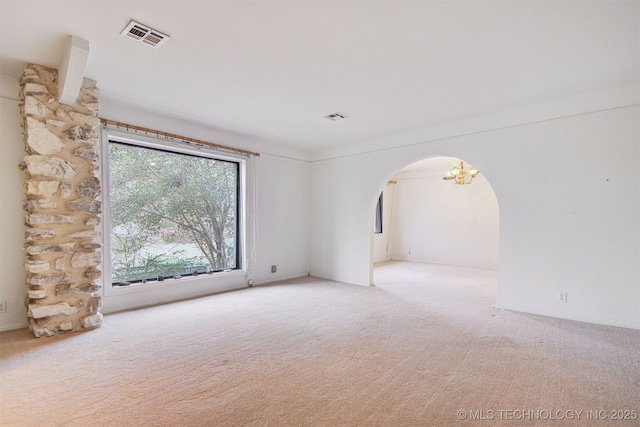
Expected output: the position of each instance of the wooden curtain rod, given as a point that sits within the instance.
(182, 138)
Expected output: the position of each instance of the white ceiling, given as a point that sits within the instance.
(273, 69)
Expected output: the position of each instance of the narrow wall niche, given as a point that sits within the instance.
(62, 189)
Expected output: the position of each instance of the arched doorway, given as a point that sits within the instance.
(426, 219)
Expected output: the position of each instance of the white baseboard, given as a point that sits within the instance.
(281, 279)
(12, 327)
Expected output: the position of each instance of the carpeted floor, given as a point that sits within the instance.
(423, 348)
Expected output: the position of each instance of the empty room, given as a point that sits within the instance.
(319, 213)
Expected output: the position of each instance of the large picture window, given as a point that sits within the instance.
(173, 214)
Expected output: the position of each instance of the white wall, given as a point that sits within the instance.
(13, 290)
(282, 230)
(437, 222)
(566, 176)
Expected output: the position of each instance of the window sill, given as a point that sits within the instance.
(204, 281)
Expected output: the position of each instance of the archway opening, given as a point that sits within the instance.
(430, 221)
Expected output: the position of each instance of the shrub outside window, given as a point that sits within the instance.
(173, 214)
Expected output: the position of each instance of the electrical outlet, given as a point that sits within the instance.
(3, 306)
(274, 268)
(562, 297)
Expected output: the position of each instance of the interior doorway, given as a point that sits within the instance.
(428, 220)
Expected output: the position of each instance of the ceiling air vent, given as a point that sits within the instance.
(143, 34)
(336, 116)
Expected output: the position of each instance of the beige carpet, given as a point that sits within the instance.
(423, 345)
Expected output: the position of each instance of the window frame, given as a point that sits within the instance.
(208, 280)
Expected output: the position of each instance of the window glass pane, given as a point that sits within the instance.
(378, 220)
(172, 214)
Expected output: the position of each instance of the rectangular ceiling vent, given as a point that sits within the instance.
(336, 116)
(143, 34)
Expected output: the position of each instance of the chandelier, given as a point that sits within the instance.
(461, 176)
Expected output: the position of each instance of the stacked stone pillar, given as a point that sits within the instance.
(62, 189)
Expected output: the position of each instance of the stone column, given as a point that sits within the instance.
(62, 189)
